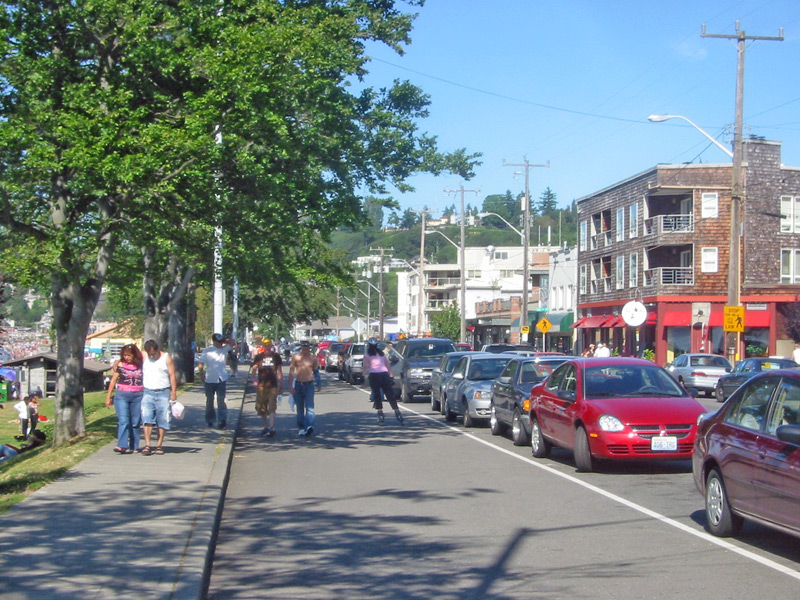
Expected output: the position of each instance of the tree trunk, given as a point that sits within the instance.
(180, 347)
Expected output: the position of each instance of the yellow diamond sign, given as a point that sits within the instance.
(544, 325)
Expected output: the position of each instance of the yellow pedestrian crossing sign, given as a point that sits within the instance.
(544, 325)
(734, 319)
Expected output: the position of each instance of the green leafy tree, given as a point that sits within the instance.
(447, 322)
(548, 203)
(151, 125)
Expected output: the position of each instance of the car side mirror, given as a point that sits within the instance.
(728, 369)
(667, 365)
(504, 379)
(693, 392)
(458, 376)
(567, 395)
(393, 359)
(789, 434)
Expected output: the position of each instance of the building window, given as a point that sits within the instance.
(473, 274)
(633, 271)
(582, 235)
(633, 220)
(620, 224)
(709, 262)
(583, 279)
(790, 266)
(501, 255)
(709, 205)
(790, 214)
(620, 281)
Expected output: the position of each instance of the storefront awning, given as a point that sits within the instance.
(651, 318)
(595, 321)
(681, 318)
(577, 324)
(560, 322)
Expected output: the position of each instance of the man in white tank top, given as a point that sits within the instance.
(160, 388)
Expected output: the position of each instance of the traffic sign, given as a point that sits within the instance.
(734, 319)
(544, 325)
(525, 329)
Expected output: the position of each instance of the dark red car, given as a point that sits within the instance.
(612, 409)
(747, 456)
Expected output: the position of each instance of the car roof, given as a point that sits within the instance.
(595, 361)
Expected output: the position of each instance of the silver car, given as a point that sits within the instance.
(468, 392)
(439, 376)
(698, 371)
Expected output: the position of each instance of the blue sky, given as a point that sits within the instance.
(573, 82)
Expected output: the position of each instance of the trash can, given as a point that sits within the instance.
(5, 391)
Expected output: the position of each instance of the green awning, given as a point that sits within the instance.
(560, 322)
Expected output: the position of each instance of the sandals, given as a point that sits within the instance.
(119, 450)
(159, 450)
(146, 451)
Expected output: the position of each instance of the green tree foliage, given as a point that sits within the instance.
(447, 322)
(548, 203)
(152, 123)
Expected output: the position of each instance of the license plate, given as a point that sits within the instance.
(664, 444)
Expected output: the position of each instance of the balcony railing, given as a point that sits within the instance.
(669, 276)
(669, 224)
(443, 281)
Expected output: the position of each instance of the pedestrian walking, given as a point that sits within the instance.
(214, 374)
(160, 389)
(268, 371)
(589, 350)
(303, 374)
(378, 371)
(33, 412)
(125, 390)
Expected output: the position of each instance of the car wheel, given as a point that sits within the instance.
(449, 415)
(540, 447)
(583, 455)
(518, 435)
(407, 396)
(435, 404)
(495, 425)
(719, 393)
(468, 420)
(719, 518)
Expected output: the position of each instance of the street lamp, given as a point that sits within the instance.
(374, 287)
(463, 275)
(483, 215)
(660, 118)
(734, 261)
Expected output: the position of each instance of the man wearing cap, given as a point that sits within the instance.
(303, 373)
(213, 372)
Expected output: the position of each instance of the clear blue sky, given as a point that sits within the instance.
(573, 82)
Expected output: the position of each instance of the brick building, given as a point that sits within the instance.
(663, 237)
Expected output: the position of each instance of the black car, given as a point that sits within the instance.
(510, 392)
(414, 362)
(744, 370)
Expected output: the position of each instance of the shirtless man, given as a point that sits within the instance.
(269, 379)
(303, 373)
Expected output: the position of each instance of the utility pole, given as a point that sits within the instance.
(381, 293)
(734, 261)
(462, 260)
(526, 207)
(424, 213)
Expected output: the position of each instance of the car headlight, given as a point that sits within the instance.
(480, 394)
(416, 372)
(609, 423)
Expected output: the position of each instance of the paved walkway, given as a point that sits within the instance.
(129, 526)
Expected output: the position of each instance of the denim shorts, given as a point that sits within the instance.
(155, 408)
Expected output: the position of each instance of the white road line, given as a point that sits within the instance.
(619, 499)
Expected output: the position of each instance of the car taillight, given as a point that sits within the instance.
(698, 374)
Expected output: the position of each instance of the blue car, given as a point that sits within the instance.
(469, 389)
(744, 370)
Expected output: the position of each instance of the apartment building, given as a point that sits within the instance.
(663, 237)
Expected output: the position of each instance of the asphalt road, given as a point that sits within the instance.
(429, 510)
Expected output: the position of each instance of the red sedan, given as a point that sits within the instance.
(614, 409)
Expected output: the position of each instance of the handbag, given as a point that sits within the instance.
(178, 409)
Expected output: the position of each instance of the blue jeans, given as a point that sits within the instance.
(222, 408)
(155, 408)
(304, 403)
(129, 418)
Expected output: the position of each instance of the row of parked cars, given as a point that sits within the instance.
(745, 455)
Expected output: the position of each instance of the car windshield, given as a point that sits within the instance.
(357, 349)
(481, 370)
(709, 361)
(430, 350)
(629, 380)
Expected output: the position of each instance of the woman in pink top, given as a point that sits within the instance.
(126, 385)
(378, 371)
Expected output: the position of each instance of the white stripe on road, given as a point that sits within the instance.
(646, 511)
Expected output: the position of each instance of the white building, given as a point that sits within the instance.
(491, 273)
(562, 299)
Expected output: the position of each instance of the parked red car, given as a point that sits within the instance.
(746, 459)
(612, 409)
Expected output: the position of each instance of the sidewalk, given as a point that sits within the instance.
(129, 526)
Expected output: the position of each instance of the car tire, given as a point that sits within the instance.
(719, 393)
(518, 434)
(468, 420)
(496, 427)
(435, 404)
(449, 415)
(540, 447)
(407, 397)
(583, 454)
(720, 521)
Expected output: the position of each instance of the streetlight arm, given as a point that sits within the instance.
(487, 214)
(444, 236)
(660, 118)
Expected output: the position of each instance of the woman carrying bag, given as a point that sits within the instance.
(127, 389)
